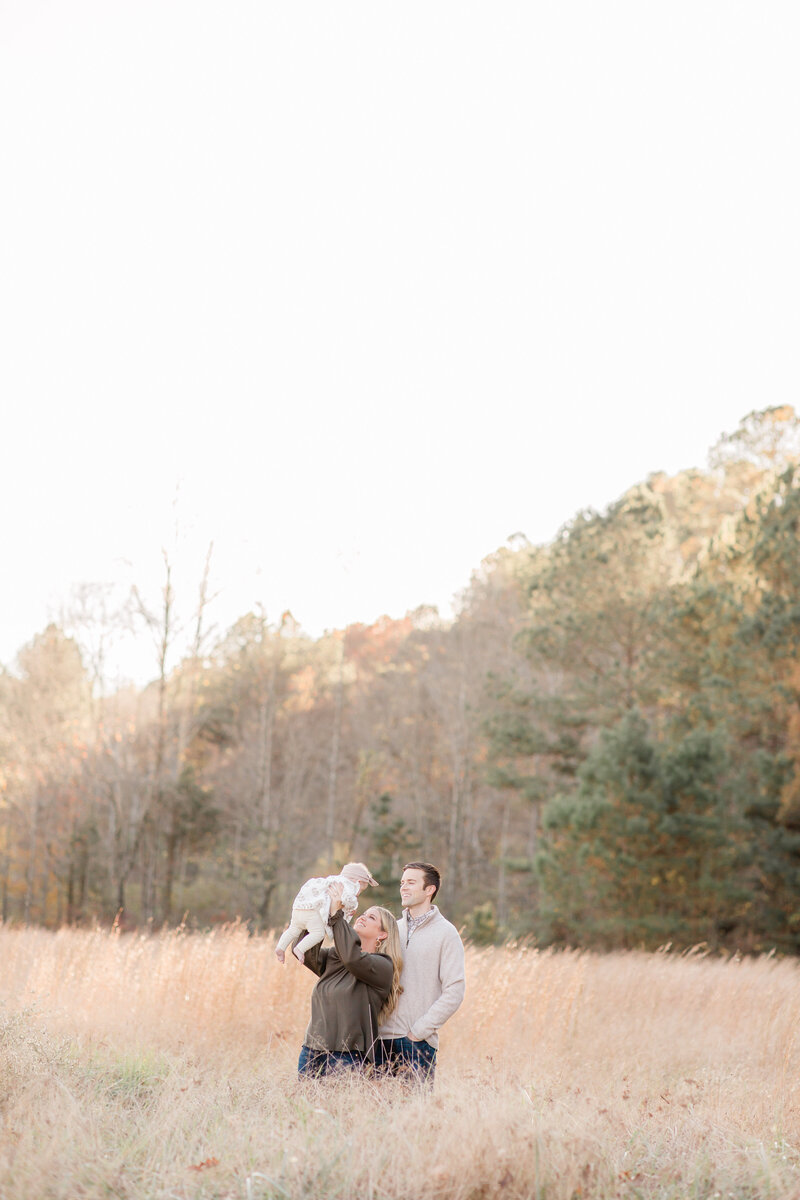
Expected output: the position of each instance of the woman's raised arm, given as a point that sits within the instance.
(374, 969)
(314, 958)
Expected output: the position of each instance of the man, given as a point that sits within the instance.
(432, 978)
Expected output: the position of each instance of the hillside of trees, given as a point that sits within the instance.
(601, 749)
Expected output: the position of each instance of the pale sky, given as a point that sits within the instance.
(359, 290)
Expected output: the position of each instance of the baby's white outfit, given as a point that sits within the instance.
(311, 911)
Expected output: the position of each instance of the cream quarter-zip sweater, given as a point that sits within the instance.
(432, 980)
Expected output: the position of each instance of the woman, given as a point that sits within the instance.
(359, 983)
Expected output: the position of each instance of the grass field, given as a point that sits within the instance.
(163, 1067)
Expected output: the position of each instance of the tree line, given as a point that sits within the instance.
(600, 749)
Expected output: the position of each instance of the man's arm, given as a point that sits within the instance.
(451, 975)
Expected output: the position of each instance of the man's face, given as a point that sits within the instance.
(413, 890)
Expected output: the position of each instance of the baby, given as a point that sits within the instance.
(312, 907)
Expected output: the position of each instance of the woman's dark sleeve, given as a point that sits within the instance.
(315, 958)
(375, 969)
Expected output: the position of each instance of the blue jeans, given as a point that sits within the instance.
(401, 1056)
(327, 1062)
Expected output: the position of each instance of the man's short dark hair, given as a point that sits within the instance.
(430, 874)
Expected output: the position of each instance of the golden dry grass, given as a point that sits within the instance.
(128, 1062)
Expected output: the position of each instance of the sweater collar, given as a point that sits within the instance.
(414, 923)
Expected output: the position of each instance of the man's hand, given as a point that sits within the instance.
(335, 890)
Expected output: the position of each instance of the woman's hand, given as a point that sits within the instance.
(335, 890)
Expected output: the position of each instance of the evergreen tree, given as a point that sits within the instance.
(645, 851)
(391, 845)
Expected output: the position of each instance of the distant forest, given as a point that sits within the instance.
(601, 749)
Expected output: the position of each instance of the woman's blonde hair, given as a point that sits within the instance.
(392, 947)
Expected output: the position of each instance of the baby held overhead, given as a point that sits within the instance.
(312, 906)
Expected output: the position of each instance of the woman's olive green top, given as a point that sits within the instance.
(353, 987)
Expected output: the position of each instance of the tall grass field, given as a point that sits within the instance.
(163, 1066)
